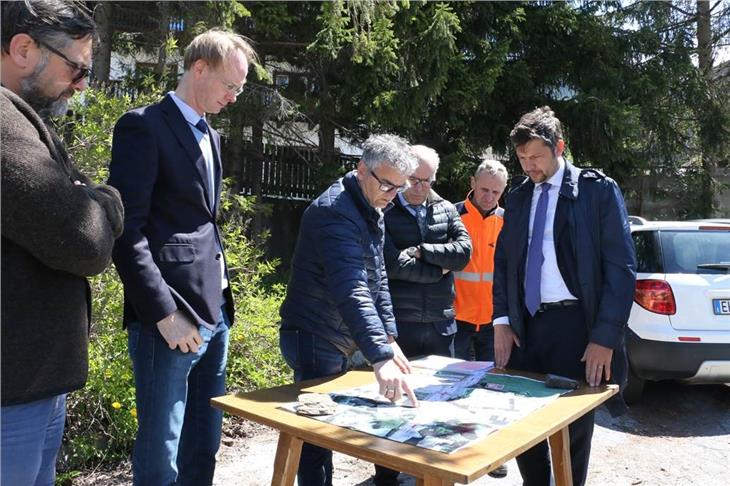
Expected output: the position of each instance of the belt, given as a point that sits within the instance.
(557, 305)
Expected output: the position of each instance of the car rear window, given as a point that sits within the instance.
(647, 252)
(683, 251)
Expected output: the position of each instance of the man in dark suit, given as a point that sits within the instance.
(561, 298)
(178, 305)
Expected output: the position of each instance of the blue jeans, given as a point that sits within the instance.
(31, 436)
(470, 344)
(179, 432)
(311, 356)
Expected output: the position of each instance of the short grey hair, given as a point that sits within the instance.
(427, 154)
(391, 150)
(493, 168)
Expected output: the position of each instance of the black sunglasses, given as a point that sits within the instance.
(83, 71)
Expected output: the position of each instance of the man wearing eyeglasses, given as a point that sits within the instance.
(425, 242)
(338, 299)
(178, 305)
(58, 227)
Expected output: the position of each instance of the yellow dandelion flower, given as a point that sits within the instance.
(133, 412)
(116, 405)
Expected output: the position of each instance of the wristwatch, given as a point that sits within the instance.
(412, 251)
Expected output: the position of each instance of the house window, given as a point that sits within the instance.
(281, 80)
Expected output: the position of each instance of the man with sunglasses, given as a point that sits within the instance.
(58, 227)
(338, 299)
(425, 243)
(178, 306)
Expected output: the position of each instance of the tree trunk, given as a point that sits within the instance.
(704, 38)
(326, 131)
(327, 150)
(103, 52)
(710, 201)
(257, 150)
(233, 163)
(164, 27)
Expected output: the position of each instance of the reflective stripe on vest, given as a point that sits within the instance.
(474, 276)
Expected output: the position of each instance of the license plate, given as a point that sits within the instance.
(721, 307)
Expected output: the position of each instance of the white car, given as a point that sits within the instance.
(679, 327)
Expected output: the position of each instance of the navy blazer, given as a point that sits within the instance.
(169, 254)
(594, 249)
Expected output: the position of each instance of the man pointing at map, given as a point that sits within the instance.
(338, 299)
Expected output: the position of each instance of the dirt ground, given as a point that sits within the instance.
(679, 435)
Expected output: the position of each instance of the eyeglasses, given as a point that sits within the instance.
(83, 71)
(387, 186)
(415, 181)
(232, 88)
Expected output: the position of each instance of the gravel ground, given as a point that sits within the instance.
(679, 435)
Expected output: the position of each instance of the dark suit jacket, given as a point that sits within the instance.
(594, 250)
(169, 254)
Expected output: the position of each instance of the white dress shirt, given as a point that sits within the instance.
(552, 285)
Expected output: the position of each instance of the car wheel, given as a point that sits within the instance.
(634, 388)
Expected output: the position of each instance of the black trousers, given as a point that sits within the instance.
(555, 342)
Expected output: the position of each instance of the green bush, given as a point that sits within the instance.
(101, 421)
(254, 360)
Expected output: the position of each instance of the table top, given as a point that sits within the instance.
(463, 466)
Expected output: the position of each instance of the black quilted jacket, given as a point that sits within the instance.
(420, 291)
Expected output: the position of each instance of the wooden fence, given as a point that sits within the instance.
(284, 172)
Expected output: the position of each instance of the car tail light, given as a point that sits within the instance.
(655, 296)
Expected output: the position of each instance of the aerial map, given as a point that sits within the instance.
(460, 402)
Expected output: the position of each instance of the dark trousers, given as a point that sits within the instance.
(419, 339)
(311, 356)
(555, 342)
(470, 344)
(425, 338)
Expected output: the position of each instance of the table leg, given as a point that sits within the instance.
(286, 462)
(560, 455)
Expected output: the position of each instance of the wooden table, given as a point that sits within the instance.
(431, 468)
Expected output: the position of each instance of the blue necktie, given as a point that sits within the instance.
(420, 218)
(534, 253)
(202, 125)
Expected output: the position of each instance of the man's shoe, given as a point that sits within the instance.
(499, 473)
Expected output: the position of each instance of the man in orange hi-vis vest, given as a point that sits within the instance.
(482, 216)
